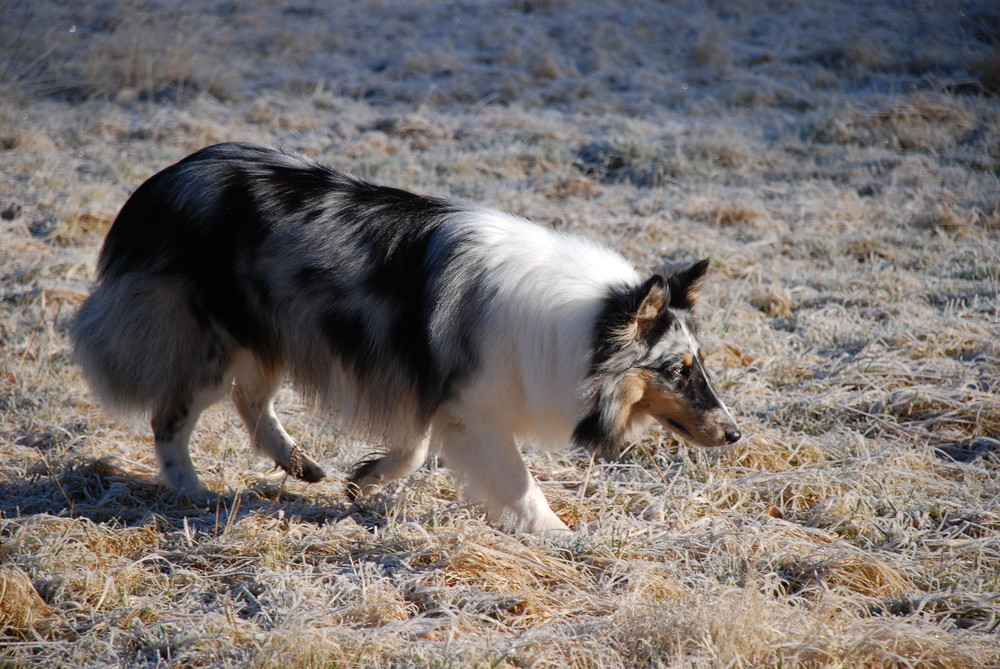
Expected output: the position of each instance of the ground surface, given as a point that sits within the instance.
(837, 161)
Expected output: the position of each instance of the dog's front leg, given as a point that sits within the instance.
(401, 458)
(253, 393)
(493, 475)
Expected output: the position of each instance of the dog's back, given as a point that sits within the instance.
(243, 247)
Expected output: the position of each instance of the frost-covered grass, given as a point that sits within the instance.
(837, 162)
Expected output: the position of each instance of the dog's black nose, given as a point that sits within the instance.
(733, 435)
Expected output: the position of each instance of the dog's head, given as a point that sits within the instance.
(648, 363)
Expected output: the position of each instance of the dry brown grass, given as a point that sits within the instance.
(837, 162)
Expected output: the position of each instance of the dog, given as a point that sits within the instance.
(419, 323)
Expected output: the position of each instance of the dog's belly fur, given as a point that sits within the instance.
(417, 322)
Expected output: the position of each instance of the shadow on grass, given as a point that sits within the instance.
(100, 490)
(969, 450)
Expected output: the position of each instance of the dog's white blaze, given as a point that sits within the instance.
(693, 343)
(689, 338)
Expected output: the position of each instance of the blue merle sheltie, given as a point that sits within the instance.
(418, 323)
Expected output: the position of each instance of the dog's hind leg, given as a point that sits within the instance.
(494, 476)
(253, 393)
(172, 423)
(370, 475)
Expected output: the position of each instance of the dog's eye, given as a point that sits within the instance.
(673, 370)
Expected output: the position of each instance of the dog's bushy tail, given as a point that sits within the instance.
(139, 343)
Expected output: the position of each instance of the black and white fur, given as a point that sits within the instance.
(417, 322)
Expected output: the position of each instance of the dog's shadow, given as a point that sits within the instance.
(106, 493)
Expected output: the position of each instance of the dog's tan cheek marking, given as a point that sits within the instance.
(641, 394)
(660, 403)
(631, 390)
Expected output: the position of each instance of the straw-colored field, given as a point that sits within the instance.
(837, 161)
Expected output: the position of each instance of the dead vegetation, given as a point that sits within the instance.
(838, 163)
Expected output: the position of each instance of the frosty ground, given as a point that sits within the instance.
(837, 162)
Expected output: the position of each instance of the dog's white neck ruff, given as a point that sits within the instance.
(548, 289)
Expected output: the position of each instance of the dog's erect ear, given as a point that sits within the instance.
(645, 305)
(684, 285)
